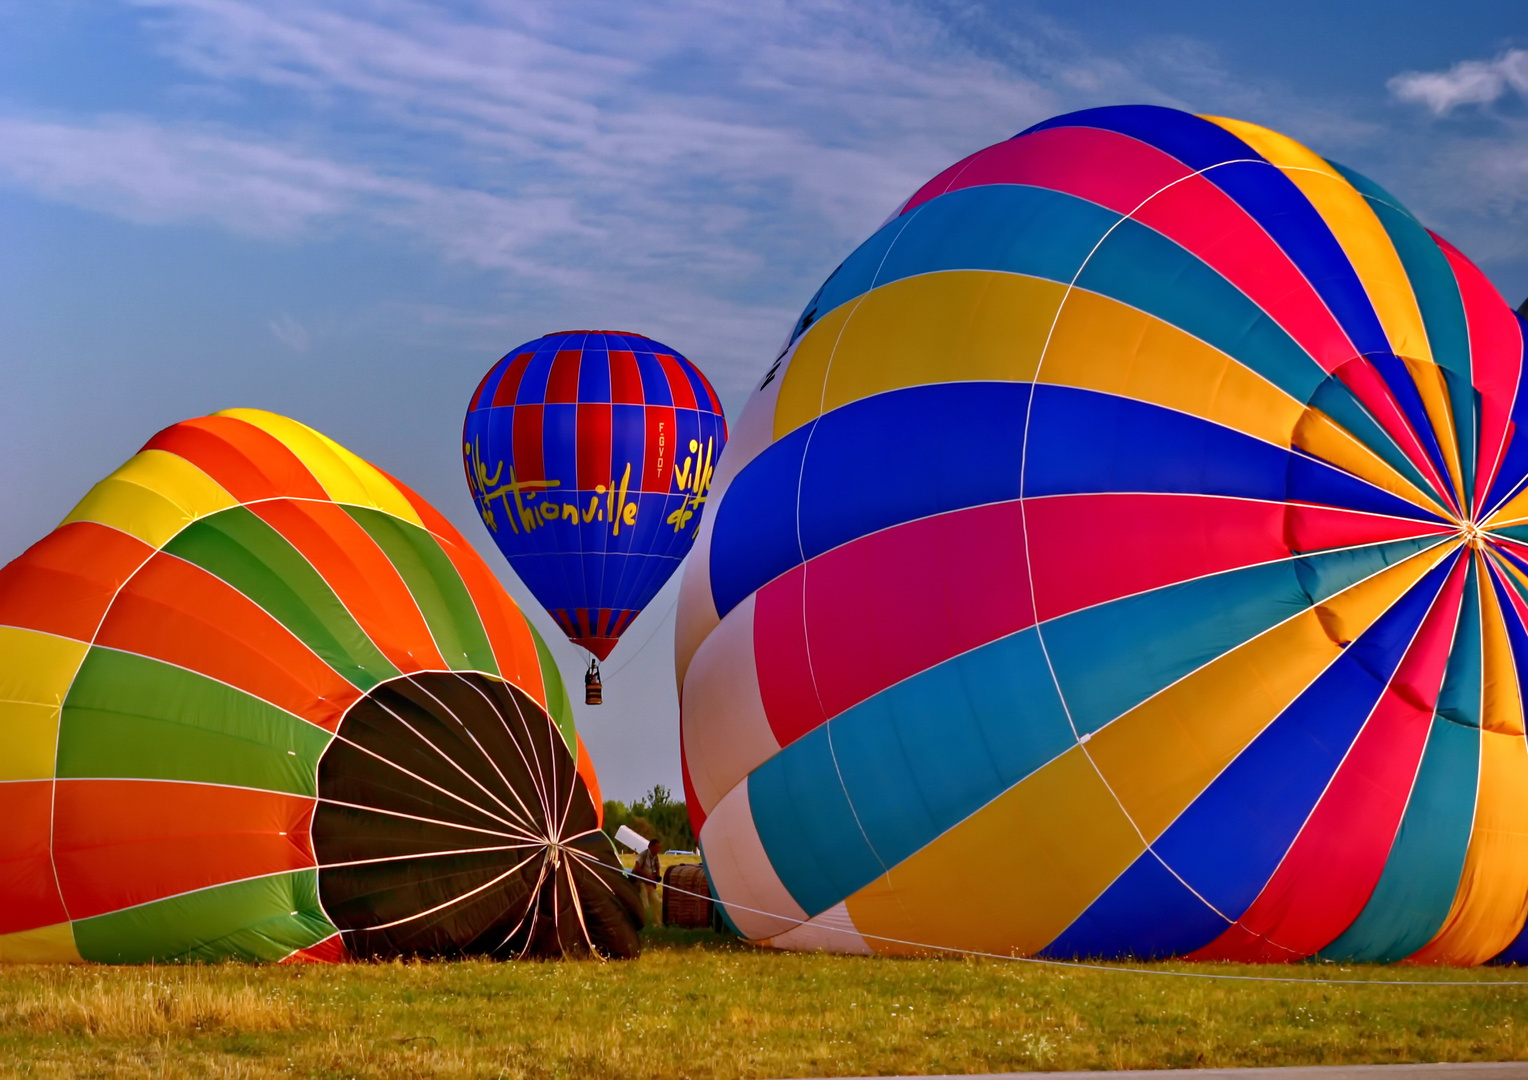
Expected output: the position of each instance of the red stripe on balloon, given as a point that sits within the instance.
(509, 386)
(248, 463)
(1496, 362)
(884, 607)
(526, 440)
(1078, 560)
(786, 687)
(625, 378)
(679, 383)
(1370, 388)
(594, 466)
(123, 842)
(856, 603)
(662, 436)
(363, 578)
(179, 613)
(31, 895)
(562, 381)
(1331, 869)
(64, 583)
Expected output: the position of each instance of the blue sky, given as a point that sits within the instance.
(345, 211)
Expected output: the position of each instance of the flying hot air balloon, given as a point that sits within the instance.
(259, 700)
(589, 455)
(1128, 557)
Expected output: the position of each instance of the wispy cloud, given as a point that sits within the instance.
(1469, 82)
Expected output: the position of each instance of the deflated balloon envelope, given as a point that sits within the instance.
(259, 700)
(1127, 557)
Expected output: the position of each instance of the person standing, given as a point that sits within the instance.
(649, 873)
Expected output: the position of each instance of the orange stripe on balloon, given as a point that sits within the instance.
(31, 896)
(179, 613)
(248, 463)
(64, 583)
(361, 575)
(513, 646)
(118, 843)
(591, 781)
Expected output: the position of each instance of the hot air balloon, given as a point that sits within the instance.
(589, 455)
(259, 700)
(1127, 557)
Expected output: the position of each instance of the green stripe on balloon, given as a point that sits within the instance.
(265, 918)
(437, 588)
(241, 549)
(557, 703)
(134, 717)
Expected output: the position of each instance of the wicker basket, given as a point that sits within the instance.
(686, 897)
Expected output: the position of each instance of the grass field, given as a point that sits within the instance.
(697, 1005)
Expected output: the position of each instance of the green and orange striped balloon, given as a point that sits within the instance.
(259, 700)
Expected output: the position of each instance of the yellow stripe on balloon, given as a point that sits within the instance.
(1358, 230)
(1513, 512)
(1491, 901)
(1373, 256)
(345, 477)
(1321, 436)
(1161, 755)
(153, 496)
(991, 886)
(951, 326)
(42, 945)
(33, 683)
(1501, 706)
(1164, 366)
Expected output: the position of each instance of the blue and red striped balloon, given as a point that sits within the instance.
(589, 455)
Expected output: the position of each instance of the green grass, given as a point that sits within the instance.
(696, 1005)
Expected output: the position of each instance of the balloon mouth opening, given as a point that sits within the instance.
(451, 821)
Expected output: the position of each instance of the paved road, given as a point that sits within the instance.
(1474, 1070)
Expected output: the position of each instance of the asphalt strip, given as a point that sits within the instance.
(1443, 1070)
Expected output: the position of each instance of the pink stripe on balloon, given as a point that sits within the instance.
(1496, 361)
(786, 686)
(1330, 871)
(1133, 178)
(889, 605)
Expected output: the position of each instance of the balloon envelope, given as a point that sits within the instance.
(1128, 557)
(589, 456)
(259, 700)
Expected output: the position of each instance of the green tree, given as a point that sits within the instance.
(656, 815)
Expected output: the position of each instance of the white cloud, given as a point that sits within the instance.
(290, 333)
(1470, 82)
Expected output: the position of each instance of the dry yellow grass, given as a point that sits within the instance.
(698, 1006)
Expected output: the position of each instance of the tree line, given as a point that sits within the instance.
(656, 815)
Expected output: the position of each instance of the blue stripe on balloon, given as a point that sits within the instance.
(532, 389)
(1149, 641)
(1146, 914)
(859, 475)
(1337, 401)
(655, 384)
(594, 373)
(866, 790)
(1228, 843)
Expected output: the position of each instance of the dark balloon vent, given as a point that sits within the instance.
(452, 821)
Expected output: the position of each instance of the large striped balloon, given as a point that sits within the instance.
(589, 455)
(1127, 557)
(259, 700)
